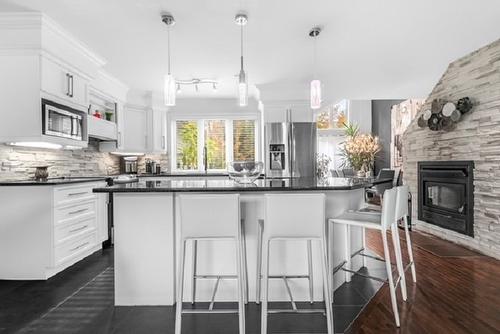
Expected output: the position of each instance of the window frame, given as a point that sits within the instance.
(228, 121)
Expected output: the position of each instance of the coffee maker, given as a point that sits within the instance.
(128, 165)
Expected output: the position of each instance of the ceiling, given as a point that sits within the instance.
(368, 49)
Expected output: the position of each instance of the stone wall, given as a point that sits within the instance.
(476, 137)
(18, 163)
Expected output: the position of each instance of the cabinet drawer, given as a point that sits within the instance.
(88, 208)
(74, 227)
(74, 248)
(67, 195)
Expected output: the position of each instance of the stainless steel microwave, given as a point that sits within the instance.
(62, 121)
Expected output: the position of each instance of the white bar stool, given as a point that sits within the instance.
(386, 220)
(402, 193)
(295, 217)
(210, 217)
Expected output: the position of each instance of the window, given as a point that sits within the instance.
(244, 140)
(223, 140)
(215, 141)
(187, 144)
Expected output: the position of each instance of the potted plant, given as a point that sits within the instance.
(359, 150)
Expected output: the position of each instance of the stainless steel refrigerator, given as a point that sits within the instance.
(290, 149)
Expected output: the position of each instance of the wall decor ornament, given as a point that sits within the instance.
(444, 116)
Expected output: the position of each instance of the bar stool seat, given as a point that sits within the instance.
(355, 218)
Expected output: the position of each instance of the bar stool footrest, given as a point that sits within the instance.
(204, 311)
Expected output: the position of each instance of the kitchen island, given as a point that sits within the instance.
(146, 240)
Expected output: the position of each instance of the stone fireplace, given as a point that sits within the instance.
(476, 139)
(446, 196)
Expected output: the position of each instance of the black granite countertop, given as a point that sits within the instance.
(54, 181)
(198, 184)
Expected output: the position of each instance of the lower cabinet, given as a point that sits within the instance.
(46, 229)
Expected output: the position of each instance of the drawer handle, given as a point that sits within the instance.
(76, 194)
(77, 211)
(78, 229)
(78, 247)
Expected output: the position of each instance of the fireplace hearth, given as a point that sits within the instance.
(446, 195)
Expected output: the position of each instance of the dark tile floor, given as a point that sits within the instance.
(80, 300)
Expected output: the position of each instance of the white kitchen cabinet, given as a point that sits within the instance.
(60, 81)
(135, 130)
(42, 62)
(159, 131)
(45, 229)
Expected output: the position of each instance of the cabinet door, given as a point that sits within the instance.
(63, 83)
(55, 80)
(135, 124)
(79, 86)
(159, 132)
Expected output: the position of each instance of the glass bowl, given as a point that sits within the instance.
(245, 171)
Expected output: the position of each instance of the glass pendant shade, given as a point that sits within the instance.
(170, 89)
(315, 94)
(243, 89)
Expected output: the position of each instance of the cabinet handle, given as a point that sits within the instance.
(72, 91)
(163, 142)
(68, 78)
(77, 211)
(146, 141)
(76, 194)
(78, 229)
(80, 246)
(119, 139)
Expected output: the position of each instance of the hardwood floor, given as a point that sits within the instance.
(452, 295)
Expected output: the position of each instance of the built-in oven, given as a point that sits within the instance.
(62, 121)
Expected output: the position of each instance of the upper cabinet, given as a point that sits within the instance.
(63, 82)
(107, 96)
(142, 125)
(40, 60)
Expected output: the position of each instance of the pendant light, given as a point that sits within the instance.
(315, 83)
(241, 20)
(170, 86)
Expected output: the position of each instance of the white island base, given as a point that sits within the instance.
(146, 244)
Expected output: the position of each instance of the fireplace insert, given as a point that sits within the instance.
(446, 194)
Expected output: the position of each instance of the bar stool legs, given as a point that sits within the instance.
(410, 250)
(258, 278)
(180, 289)
(310, 271)
(399, 260)
(326, 284)
(195, 262)
(392, 288)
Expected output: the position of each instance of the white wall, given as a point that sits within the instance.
(360, 113)
(275, 111)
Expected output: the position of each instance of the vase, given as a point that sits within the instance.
(360, 173)
(41, 173)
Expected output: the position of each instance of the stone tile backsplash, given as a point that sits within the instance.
(18, 163)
